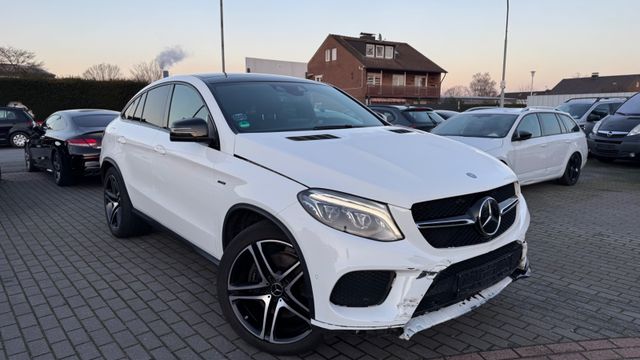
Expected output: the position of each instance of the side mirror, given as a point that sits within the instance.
(190, 130)
(521, 135)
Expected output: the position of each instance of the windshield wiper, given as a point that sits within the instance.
(329, 127)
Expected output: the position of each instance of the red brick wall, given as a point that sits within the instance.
(343, 73)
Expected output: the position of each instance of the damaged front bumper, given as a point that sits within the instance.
(434, 318)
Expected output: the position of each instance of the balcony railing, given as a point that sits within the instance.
(403, 91)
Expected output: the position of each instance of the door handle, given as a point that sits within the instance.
(122, 140)
(543, 145)
(160, 149)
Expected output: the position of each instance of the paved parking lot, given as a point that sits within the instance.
(70, 290)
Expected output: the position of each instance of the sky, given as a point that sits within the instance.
(556, 38)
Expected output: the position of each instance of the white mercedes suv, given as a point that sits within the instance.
(538, 144)
(322, 216)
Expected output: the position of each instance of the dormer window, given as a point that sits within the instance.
(379, 51)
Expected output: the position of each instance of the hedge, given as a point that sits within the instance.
(46, 96)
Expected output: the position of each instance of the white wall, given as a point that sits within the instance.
(555, 100)
(276, 67)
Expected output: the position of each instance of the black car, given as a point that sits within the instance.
(422, 118)
(617, 136)
(68, 144)
(16, 126)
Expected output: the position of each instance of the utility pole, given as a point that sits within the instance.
(504, 59)
(533, 73)
(222, 37)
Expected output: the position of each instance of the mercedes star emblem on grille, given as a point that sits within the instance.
(488, 218)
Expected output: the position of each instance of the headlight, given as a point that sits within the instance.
(351, 214)
(634, 131)
(596, 127)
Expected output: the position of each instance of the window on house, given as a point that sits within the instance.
(420, 81)
(398, 80)
(327, 55)
(373, 79)
(334, 54)
(370, 50)
(318, 78)
(388, 52)
(379, 51)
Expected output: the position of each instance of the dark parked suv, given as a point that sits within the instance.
(16, 126)
(422, 118)
(617, 136)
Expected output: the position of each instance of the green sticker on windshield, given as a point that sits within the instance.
(244, 124)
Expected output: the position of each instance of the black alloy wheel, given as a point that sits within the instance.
(61, 169)
(122, 220)
(572, 171)
(263, 291)
(112, 202)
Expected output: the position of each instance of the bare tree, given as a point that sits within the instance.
(102, 72)
(457, 91)
(20, 62)
(482, 85)
(146, 71)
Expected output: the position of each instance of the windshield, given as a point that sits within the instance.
(575, 109)
(89, 121)
(631, 106)
(477, 125)
(288, 106)
(424, 116)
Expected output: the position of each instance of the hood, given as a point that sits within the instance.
(376, 163)
(619, 122)
(484, 144)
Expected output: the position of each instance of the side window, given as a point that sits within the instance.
(530, 124)
(388, 115)
(128, 113)
(137, 116)
(11, 115)
(186, 103)
(50, 123)
(614, 107)
(600, 111)
(549, 124)
(568, 122)
(155, 105)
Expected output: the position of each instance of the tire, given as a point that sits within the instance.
(18, 139)
(264, 261)
(31, 167)
(61, 168)
(121, 219)
(572, 171)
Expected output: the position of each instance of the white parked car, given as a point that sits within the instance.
(537, 144)
(322, 216)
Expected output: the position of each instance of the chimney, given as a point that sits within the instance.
(165, 73)
(595, 75)
(367, 36)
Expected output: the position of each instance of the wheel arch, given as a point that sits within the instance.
(242, 209)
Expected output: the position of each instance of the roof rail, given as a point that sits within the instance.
(597, 98)
(529, 108)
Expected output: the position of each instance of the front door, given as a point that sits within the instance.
(528, 157)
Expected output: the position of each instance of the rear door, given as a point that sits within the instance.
(557, 145)
(136, 139)
(40, 144)
(528, 157)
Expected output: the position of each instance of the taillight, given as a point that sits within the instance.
(86, 142)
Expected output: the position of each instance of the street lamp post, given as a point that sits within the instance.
(222, 37)
(504, 59)
(533, 73)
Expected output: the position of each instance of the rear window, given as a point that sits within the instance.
(423, 116)
(475, 124)
(89, 121)
(631, 106)
(575, 109)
